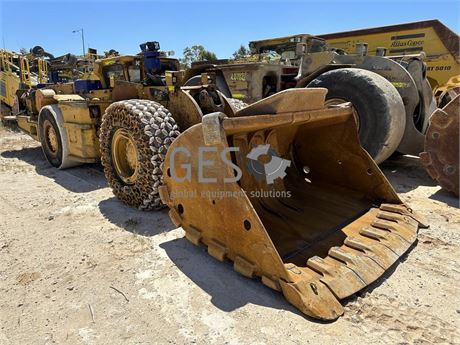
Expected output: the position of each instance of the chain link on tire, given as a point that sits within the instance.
(237, 104)
(153, 129)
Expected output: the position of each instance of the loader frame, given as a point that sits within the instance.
(302, 58)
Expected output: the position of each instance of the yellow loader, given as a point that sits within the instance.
(329, 228)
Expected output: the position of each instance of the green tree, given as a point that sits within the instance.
(196, 53)
(241, 52)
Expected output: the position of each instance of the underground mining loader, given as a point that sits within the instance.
(126, 116)
(391, 96)
(319, 224)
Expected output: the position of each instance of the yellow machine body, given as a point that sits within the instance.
(440, 44)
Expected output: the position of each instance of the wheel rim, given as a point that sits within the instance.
(337, 101)
(125, 157)
(51, 138)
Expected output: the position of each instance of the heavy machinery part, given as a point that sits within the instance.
(447, 92)
(251, 81)
(407, 76)
(221, 84)
(53, 137)
(438, 42)
(134, 137)
(332, 226)
(236, 104)
(39, 51)
(440, 157)
(379, 107)
(427, 102)
(43, 97)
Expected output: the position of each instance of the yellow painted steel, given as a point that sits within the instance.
(51, 137)
(125, 156)
(42, 71)
(447, 92)
(9, 79)
(27, 125)
(81, 130)
(25, 71)
(14, 74)
(9, 83)
(437, 41)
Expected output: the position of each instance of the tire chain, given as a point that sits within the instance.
(153, 129)
(237, 104)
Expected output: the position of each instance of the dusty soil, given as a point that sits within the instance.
(79, 267)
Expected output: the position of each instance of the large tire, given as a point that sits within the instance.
(151, 129)
(379, 107)
(53, 138)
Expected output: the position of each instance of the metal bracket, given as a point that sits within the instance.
(213, 131)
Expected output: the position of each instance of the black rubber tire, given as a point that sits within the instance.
(237, 104)
(153, 129)
(54, 159)
(379, 106)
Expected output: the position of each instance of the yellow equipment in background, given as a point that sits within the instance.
(440, 44)
(447, 92)
(10, 81)
(15, 74)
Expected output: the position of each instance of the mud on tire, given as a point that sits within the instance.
(152, 129)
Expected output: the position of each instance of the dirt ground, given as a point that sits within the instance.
(79, 267)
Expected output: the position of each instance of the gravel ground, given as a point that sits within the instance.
(79, 267)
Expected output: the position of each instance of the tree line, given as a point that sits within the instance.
(200, 53)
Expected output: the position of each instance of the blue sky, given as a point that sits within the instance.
(221, 26)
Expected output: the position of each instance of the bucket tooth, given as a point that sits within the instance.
(395, 217)
(272, 283)
(217, 250)
(193, 235)
(164, 194)
(362, 264)
(378, 252)
(175, 217)
(402, 229)
(404, 210)
(393, 241)
(312, 298)
(340, 279)
(244, 267)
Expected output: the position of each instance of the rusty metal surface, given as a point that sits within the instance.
(440, 157)
(342, 226)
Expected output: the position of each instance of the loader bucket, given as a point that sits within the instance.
(286, 192)
(440, 156)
